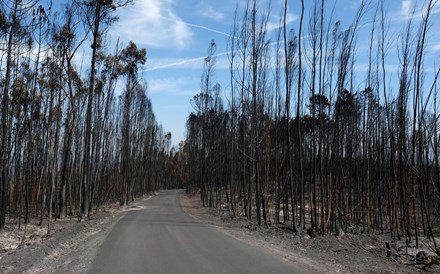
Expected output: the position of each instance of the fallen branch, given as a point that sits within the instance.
(427, 261)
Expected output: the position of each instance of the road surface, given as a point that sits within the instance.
(160, 237)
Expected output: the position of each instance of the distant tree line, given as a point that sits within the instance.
(69, 140)
(349, 158)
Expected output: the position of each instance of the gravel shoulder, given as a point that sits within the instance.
(350, 253)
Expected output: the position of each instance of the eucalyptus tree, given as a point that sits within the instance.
(67, 39)
(277, 117)
(243, 124)
(130, 57)
(290, 48)
(402, 119)
(232, 52)
(108, 70)
(31, 164)
(14, 18)
(298, 113)
(98, 15)
(202, 103)
(258, 83)
(417, 110)
(313, 63)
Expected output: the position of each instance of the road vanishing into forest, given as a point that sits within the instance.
(162, 238)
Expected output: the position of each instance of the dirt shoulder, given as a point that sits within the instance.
(349, 253)
(70, 248)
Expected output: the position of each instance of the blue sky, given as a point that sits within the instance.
(176, 34)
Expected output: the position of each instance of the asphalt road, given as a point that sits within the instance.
(161, 238)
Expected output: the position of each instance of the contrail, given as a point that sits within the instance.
(197, 59)
(211, 30)
(174, 64)
(182, 62)
(199, 27)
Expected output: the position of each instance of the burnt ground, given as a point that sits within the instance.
(348, 253)
(71, 246)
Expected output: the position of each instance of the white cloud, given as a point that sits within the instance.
(405, 8)
(153, 23)
(435, 48)
(354, 5)
(173, 85)
(209, 12)
(275, 23)
(436, 9)
(413, 10)
(390, 68)
(408, 9)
